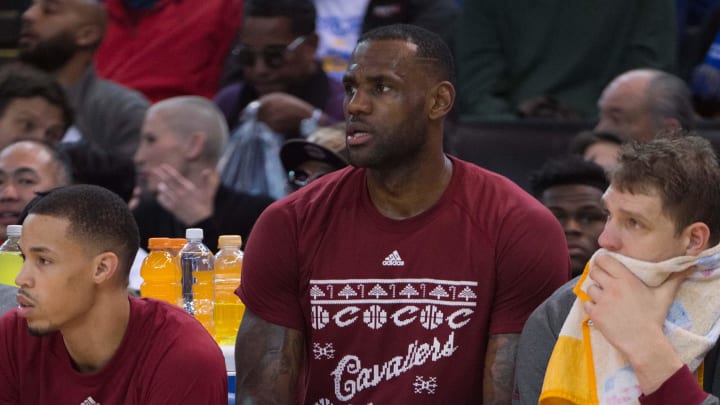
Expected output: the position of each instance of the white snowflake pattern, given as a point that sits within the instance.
(326, 351)
(422, 385)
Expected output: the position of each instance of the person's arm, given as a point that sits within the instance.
(537, 342)
(630, 315)
(499, 365)
(679, 388)
(268, 360)
(283, 112)
(481, 64)
(652, 43)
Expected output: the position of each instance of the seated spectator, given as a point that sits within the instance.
(92, 165)
(76, 323)
(277, 52)
(286, 94)
(642, 102)
(340, 23)
(28, 167)
(61, 37)
(323, 152)
(32, 106)
(180, 145)
(571, 188)
(664, 204)
(168, 48)
(600, 147)
(511, 52)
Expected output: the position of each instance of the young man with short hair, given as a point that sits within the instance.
(76, 336)
(664, 207)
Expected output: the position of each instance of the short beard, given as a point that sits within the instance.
(51, 54)
(38, 332)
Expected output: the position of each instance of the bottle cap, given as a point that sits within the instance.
(177, 243)
(158, 243)
(193, 233)
(229, 240)
(14, 230)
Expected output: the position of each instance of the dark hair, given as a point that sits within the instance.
(585, 139)
(301, 13)
(669, 97)
(24, 81)
(429, 46)
(97, 217)
(94, 165)
(568, 170)
(683, 170)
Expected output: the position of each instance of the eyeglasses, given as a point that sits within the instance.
(272, 55)
(301, 178)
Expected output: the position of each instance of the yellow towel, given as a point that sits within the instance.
(585, 369)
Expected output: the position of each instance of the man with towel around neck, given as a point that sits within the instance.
(641, 323)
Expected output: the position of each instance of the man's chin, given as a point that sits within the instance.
(38, 331)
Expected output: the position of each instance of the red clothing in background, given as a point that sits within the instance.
(176, 48)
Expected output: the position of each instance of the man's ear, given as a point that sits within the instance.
(697, 236)
(106, 265)
(195, 145)
(88, 35)
(442, 98)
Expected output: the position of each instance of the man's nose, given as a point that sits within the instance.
(8, 192)
(358, 103)
(609, 239)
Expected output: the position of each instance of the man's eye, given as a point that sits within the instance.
(381, 88)
(349, 90)
(27, 125)
(26, 182)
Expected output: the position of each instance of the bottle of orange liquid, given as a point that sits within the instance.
(229, 309)
(160, 272)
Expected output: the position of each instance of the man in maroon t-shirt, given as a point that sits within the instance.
(76, 337)
(405, 278)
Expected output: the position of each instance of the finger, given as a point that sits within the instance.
(594, 291)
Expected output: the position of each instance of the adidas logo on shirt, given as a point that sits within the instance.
(90, 401)
(393, 259)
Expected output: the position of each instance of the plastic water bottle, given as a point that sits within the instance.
(198, 280)
(160, 271)
(228, 308)
(10, 256)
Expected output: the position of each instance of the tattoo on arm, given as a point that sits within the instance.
(268, 361)
(499, 369)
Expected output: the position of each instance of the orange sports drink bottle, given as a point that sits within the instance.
(229, 309)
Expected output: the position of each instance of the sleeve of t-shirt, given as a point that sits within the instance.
(532, 262)
(269, 286)
(680, 388)
(192, 374)
(8, 363)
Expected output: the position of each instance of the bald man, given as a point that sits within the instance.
(181, 142)
(641, 102)
(28, 167)
(61, 37)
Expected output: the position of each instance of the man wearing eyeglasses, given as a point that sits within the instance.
(282, 80)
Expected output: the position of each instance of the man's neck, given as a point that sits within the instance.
(94, 340)
(70, 74)
(405, 192)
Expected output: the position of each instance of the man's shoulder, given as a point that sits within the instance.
(172, 326)
(7, 298)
